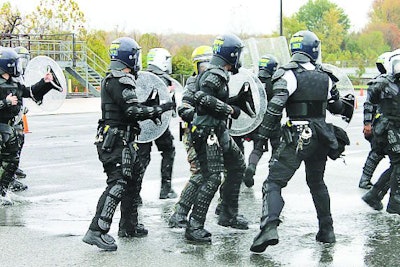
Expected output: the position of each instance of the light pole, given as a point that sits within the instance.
(281, 22)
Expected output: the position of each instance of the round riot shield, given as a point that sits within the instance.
(36, 70)
(247, 92)
(153, 91)
(347, 95)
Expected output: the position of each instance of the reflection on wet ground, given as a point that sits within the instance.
(49, 219)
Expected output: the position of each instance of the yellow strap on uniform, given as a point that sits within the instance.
(377, 115)
(194, 127)
(106, 128)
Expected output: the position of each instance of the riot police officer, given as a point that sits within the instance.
(376, 154)
(215, 149)
(159, 63)
(384, 92)
(267, 65)
(305, 89)
(201, 57)
(24, 57)
(11, 94)
(115, 142)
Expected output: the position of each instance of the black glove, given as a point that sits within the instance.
(168, 106)
(249, 174)
(236, 112)
(334, 95)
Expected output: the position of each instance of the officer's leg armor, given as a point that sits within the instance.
(9, 156)
(393, 137)
(189, 194)
(116, 186)
(235, 165)
(106, 206)
(370, 165)
(166, 146)
(282, 167)
(394, 199)
(212, 180)
(375, 195)
(144, 157)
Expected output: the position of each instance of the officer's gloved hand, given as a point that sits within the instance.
(334, 95)
(367, 131)
(235, 112)
(168, 106)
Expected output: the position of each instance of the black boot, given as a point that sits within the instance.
(326, 233)
(20, 174)
(195, 232)
(101, 240)
(372, 199)
(268, 236)
(167, 191)
(17, 186)
(136, 231)
(393, 204)
(177, 220)
(237, 221)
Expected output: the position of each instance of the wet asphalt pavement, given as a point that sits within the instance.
(45, 225)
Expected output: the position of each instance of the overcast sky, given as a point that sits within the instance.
(197, 17)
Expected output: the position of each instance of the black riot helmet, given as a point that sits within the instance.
(228, 47)
(306, 43)
(267, 64)
(125, 52)
(9, 62)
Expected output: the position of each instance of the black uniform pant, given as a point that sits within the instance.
(119, 189)
(166, 146)
(282, 167)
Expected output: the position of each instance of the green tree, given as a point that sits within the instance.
(148, 41)
(386, 11)
(10, 19)
(56, 17)
(181, 62)
(312, 14)
(385, 17)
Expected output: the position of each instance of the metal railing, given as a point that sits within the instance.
(64, 49)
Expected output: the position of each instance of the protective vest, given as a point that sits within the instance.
(310, 98)
(390, 103)
(8, 113)
(111, 112)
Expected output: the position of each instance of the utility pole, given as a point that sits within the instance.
(281, 22)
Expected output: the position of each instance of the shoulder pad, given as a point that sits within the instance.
(191, 84)
(329, 72)
(128, 81)
(212, 80)
(220, 72)
(278, 74)
(291, 65)
(191, 79)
